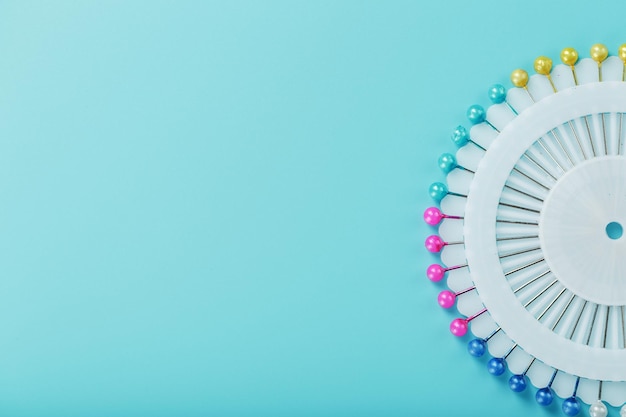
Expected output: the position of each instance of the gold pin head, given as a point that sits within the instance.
(569, 56)
(621, 52)
(599, 52)
(543, 65)
(519, 78)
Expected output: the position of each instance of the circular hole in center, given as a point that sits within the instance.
(614, 230)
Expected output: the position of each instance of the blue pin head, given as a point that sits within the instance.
(571, 406)
(517, 383)
(438, 191)
(460, 136)
(447, 162)
(496, 366)
(497, 93)
(476, 347)
(544, 396)
(476, 114)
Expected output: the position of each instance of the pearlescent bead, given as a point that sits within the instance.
(496, 366)
(544, 396)
(435, 272)
(460, 136)
(569, 56)
(517, 383)
(599, 52)
(447, 162)
(476, 347)
(434, 243)
(446, 298)
(433, 216)
(476, 114)
(621, 52)
(622, 411)
(438, 191)
(598, 409)
(571, 406)
(543, 65)
(497, 93)
(519, 78)
(458, 327)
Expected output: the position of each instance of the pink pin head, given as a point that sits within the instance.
(446, 298)
(433, 216)
(458, 327)
(435, 272)
(434, 243)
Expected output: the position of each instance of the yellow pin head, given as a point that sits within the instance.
(599, 52)
(543, 65)
(569, 56)
(622, 53)
(519, 78)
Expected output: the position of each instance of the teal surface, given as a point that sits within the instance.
(214, 208)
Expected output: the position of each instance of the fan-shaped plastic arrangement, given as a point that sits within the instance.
(531, 231)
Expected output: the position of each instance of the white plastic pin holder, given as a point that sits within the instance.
(531, 230)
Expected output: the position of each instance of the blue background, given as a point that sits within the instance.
(214, 208)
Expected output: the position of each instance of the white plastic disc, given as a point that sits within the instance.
(582, 357)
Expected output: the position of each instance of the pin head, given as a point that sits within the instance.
(543, 65)
(435, 272)
(447, 162)
(622, 411)
(433, 216)
(438, 191)
(569, 56)
(458, 327)
(599, 52)
(460, 136)
(434, 244)
(476, 347)
(476, 114)
(496, 366)
(446, 298)
(598, 409)
(621, 52)
(544, 396)
(517, 383)
(497, 93)
(571, 406)
(519, 78)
